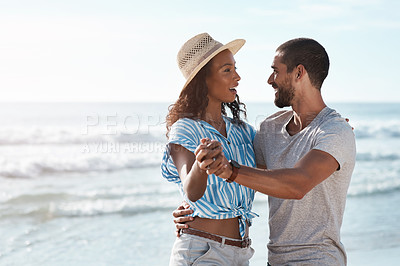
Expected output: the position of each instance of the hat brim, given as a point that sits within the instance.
(233, 46)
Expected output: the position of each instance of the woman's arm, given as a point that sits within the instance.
(193, 178)
(190, 170)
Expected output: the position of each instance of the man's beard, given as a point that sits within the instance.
(284, 96)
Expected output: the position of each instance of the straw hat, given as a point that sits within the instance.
(199, 50)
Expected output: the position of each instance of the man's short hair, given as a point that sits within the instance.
(310, 54)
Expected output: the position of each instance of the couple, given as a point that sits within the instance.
(304, 159)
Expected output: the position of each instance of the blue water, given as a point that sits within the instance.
(80, 185)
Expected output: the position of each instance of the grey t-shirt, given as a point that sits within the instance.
(307, 231)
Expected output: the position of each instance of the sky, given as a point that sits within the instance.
(110, 51)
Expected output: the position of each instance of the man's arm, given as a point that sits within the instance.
(288, 183)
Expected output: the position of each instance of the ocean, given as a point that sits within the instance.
(80, 184)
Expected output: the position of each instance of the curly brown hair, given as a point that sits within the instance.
(193, 100)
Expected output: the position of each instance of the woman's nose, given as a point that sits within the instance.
(237, 76)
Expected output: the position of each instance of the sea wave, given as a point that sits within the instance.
(376, 156)
(374, 188)
(52, 205)
(76, 135)
(371, 129)
(47, 206)
(372, 180)
(82, 163)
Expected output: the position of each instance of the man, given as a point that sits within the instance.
(308, 156)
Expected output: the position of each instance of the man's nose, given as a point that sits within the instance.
(271, 79)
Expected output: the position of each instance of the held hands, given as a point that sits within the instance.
(211, 159)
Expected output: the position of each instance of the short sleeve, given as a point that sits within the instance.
(260, 144)
(337, 139)
(184, 133)
(258, 149)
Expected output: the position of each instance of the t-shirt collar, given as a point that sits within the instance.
(319, 116)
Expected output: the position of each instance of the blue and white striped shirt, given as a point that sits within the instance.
(221, 200)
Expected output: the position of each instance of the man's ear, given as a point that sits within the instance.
(300, 71)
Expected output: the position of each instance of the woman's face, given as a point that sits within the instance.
(222, 79)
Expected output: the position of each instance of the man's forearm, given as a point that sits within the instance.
(280, 183)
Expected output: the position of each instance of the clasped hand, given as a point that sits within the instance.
(211, 159)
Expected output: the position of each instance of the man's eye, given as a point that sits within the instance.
(227, 70)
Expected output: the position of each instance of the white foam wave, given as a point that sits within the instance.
(126, 206)
(374, 188)
(374, 181)
(76, 135)
(373, 129)
(80, 163)
(375, 156)
(53, 205)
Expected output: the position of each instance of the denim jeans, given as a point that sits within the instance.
(195, 250)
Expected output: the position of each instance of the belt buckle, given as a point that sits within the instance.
(246, 243)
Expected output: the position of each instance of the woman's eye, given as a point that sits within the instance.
(227, 70)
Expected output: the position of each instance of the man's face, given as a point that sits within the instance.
(281, 81)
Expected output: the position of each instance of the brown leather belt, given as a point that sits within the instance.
(245, 243)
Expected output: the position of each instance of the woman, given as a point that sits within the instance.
(218, 232)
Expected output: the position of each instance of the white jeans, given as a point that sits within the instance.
(195, 250)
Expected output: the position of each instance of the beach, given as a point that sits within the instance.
(81, 185)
